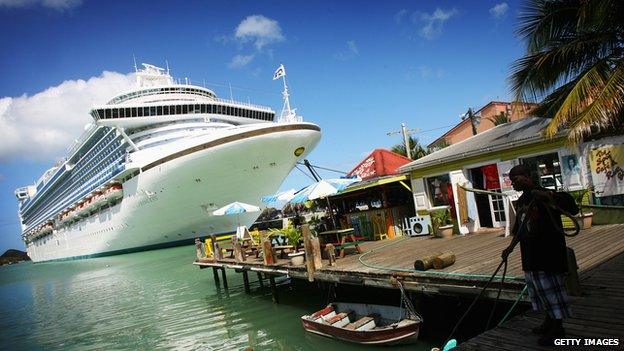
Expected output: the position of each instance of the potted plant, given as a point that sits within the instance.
(442, 223)
(293, 236)
(584, 218)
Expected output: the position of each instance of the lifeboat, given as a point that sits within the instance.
(81, 208)
(114, 192)
(47, 228)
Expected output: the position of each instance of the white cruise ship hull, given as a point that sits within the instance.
(170, 201)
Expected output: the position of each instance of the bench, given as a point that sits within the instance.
(347, 244)
(339, 320)
(362, 324)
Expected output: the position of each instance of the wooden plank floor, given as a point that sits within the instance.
(478, 255)
(599, 313)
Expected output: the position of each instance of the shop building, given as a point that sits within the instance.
(483, 162)
(376, 206)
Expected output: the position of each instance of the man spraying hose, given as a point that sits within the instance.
(543, 250)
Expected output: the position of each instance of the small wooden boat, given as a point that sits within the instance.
(364, 323)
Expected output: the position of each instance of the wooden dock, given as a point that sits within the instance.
(477, 254)
(597, 314)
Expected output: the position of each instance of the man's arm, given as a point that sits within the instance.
(566, 202)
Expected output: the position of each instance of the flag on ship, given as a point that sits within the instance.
(281, 71)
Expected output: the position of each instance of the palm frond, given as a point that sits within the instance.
(605, 110)
(587, 86)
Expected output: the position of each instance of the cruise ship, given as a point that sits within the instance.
(153, 166)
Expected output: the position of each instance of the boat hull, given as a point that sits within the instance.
(406, 334)
(171, 200)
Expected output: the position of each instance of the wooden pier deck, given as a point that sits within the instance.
(597, 314)
(477, 254)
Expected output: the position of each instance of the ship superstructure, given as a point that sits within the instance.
(153, 165)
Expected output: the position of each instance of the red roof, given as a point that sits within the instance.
(380, 162)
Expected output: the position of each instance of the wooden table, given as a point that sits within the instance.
(341, 238)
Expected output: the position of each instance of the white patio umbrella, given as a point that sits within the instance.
(235, 208)
(279, 198)
(321, 189)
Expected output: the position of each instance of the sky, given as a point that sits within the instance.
(356, 68)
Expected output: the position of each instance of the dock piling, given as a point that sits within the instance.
(225, 283)
(273, 289)
(260, 279)
(246, 282)
(215, 274)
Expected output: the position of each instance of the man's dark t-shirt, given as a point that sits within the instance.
(542, 243)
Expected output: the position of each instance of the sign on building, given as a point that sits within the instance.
(606, 164)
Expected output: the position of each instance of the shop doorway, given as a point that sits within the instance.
(490, 208)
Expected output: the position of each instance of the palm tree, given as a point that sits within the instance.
(416, 150)
(574, 64)
(499, 119)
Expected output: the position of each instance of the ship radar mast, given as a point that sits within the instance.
(288, 115)
(151, 75)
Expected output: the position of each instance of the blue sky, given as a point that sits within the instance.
(356, 68)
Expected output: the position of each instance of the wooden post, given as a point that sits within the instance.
(444, 260)
(239, 255)
(331, 253)
(215, 248)
(215, 275)
(273, 289)
(268, 256)
(225, 284)
(426, 262)
(260, 279)
(309, 251)
(316, 249)
(246, 282)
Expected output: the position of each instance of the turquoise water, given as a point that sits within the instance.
(152, 300)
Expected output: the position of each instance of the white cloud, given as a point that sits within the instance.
(260, 30)
(42, 126)
(59, 5)
(239, 61)
(432, 24)
(350, 52)
(499, 11)
(398, 17)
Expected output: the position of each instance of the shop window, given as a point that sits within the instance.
(545, 170)
(438, 187)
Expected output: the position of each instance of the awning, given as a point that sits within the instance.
(365, 184)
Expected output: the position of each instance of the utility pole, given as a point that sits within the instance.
(406, 132)
(474, 120)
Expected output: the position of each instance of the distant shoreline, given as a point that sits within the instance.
(12, 256)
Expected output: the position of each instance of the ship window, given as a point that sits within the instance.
(115, 113)
(152, 110)
(122, 113)
(184, 109)
(203, 108)
(145, 111)
(107, 113)
(128, 112)
(166, 110)
(211, 108)
(159, 110)
(134, 112)
(178, 110)
(197, 108)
